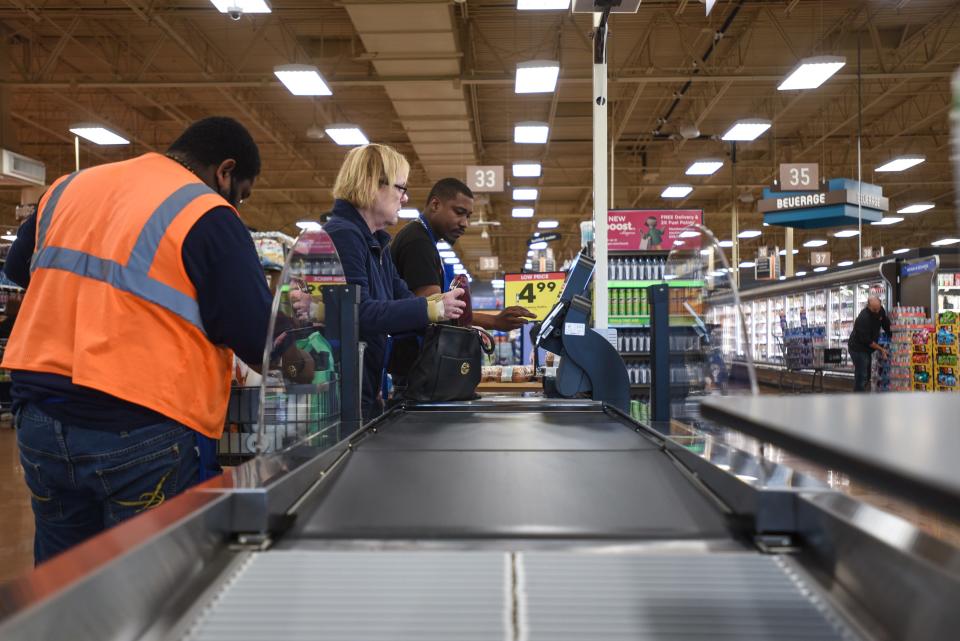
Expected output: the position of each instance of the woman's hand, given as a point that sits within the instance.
(452, 305)
(442, 307)
(300, 301)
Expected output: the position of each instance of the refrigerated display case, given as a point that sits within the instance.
(830, 301)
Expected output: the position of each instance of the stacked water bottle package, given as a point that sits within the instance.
(803, 346)
(911, 349)
(880, 367)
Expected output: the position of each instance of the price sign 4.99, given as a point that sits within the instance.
(537, 292)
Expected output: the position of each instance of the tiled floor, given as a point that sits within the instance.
(16, 518)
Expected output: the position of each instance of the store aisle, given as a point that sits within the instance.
(16, 518)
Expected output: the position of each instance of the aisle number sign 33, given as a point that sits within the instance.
(537, 292)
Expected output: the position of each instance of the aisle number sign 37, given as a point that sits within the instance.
(537, 292)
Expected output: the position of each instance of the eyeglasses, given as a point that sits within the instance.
(402, 188)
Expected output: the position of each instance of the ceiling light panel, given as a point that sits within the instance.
(347, 135)
(902, 163)
(676, 191)
(247, 6)
(302, 80)
(750, 233)
(888, 220)
(704, 167)
(746, 130)
(812, 72)
(531, 132)
(916, 208)
(409, 213)
(536, 76)
(945, 241)
(846, 233)
(815, 243)
(548, 224)
(98, 134)
(526, 170)
(542, 5)
(522, 212)
(525, 193)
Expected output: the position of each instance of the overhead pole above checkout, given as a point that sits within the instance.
(601, 10)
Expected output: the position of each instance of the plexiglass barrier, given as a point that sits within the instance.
(707, 353)
(296, 396)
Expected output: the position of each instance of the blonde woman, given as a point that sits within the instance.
(370, 190)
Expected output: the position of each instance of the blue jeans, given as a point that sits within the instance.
(84, 481)
(861, 370)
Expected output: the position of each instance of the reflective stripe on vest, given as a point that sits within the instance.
(132, 277)
(43, 224)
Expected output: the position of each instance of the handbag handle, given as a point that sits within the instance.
(486, 341)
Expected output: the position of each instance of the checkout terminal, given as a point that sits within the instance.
(589, 364)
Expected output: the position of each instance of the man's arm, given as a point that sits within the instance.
(17, 267)
(222, 263)
(508, 319)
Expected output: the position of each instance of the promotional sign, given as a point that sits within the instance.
(803, 176)
(820, 259)
(921, 267)
(651, 229)
(485, 178)
(537, 292)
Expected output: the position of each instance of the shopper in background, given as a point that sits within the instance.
(370, 190)
(445, 217)
(863, 341)
(141, 278)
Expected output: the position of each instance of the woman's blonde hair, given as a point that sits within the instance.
(365, 169)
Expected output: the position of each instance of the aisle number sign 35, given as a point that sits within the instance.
(537, 292)
(803, 176)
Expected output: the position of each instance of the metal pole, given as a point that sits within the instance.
(734, 218)
(76, 151)
(600, 293)
(788, 252)
(859, 157)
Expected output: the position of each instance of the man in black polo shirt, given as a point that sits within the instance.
(863, 341)
(446, 217)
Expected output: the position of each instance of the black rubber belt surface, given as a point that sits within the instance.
(499, 484)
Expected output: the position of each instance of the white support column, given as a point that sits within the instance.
(600, 293)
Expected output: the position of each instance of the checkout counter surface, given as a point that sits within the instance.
(527, 519)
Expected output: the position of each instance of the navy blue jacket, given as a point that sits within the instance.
(387, 306)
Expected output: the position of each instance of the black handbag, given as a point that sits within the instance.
(448, 368)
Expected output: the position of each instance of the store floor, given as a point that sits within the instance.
(16, 518)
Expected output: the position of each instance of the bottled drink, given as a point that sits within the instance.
(466, 319)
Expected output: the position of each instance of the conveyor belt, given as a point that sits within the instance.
(434, 474)
(538, 596)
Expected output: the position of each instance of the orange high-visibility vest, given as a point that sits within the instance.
(110, 304)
